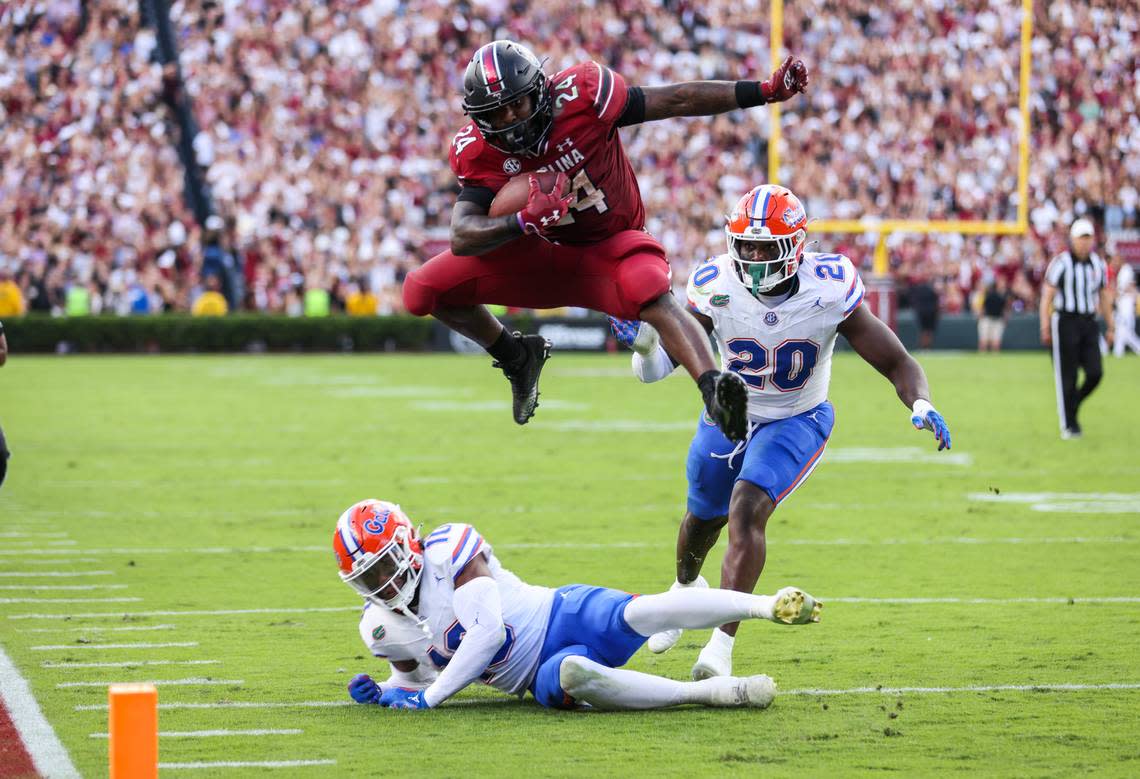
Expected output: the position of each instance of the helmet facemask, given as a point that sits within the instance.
(764, 262)
(390, 576)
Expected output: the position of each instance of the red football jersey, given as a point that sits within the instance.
(583, 143)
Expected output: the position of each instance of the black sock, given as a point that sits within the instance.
(706, 382)
(507, 350)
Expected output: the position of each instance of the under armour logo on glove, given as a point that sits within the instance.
(544, 210)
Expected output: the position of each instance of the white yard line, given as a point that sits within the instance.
(216, 733)
(969, 688)
(23, 534)
(202, 613)
(63, 586)
(192, 681)
(23, 560)
(129, 664)
(55, 647)
(990, 601)
(48, 754)
(52, 574)
(96, 628)
(246, 764)
(1046, 687)
(69, 600)
(236, 705)
(321, 549)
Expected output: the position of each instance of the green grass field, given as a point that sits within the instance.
(201, 485)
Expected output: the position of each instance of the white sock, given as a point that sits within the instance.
(690, 608)
(721, 642)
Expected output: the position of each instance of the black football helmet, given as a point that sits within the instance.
(500, 73)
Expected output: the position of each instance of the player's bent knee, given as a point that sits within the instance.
(752, 501)
(575, 673)
(419, 298)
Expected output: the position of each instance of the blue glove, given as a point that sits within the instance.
(403, 698)
(624, 330)
(924, 417)
(363, 689)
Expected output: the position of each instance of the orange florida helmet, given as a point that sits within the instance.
(379, 553)
(766, 232)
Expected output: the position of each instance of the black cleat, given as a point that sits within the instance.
(729, 406)
(524, 378)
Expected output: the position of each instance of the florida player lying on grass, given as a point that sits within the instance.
(444, 613)
(583, 241)
(775, 311)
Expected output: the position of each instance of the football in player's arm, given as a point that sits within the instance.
(587, 247)
(775, 311)
(445, 613)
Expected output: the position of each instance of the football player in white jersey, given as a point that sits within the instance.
(775, 311)
(445, 613)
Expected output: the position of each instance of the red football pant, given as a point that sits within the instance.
(618, 276)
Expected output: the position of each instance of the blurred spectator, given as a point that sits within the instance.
(11, 298)
(360, 301)
(324, 133)
(995, 311)
(211, 302)
(923, 298)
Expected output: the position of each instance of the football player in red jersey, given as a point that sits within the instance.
(588, 248)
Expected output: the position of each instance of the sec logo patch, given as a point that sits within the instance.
(512, 166)
(378, 633)
(770, 318)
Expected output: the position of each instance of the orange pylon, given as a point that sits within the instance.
(133, 729)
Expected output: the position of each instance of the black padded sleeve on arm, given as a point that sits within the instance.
(481, 196)
(634, 112)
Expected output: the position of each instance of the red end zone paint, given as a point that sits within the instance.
(14, 758)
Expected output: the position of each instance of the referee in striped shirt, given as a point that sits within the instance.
(1075, 288)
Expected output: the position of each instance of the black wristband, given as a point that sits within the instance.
(748, 94)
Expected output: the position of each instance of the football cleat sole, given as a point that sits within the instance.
(731, 412)
(796, 607)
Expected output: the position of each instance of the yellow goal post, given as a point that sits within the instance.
(884, 227)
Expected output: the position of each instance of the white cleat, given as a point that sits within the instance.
(667, 639)
(712, 661)
(754, 691)
(795, 607)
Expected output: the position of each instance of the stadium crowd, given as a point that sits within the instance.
(324, 130)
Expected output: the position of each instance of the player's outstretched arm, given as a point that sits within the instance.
(479, 609)
(704, 98)
(879, 346)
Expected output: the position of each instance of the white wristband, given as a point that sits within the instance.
(921, 408)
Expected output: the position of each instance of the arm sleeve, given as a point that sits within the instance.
(634, 112)
(654, 367)
(482, 196)
(479, 610)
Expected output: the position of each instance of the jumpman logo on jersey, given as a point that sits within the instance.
(439, 578)
(818, 303)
